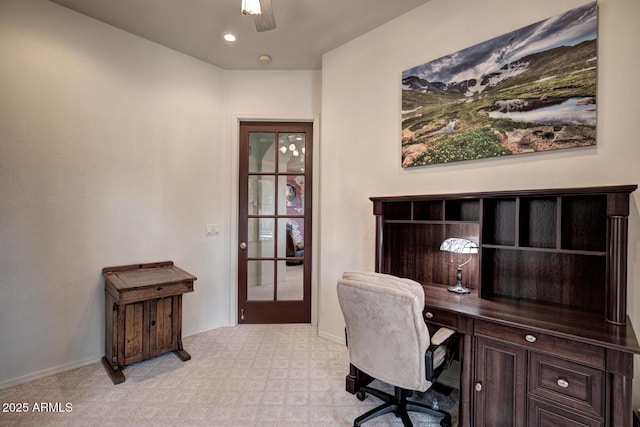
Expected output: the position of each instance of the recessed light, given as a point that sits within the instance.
(230, 37)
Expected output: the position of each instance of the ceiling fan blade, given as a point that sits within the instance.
(265, 21)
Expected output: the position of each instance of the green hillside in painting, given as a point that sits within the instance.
(544, 101)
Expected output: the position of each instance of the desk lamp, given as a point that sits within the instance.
(458, 245)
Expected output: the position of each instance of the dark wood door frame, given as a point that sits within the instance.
(276, 311)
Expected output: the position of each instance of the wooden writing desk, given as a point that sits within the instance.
(143, 313)
(544, 335)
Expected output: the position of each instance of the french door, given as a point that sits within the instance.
(274, 251)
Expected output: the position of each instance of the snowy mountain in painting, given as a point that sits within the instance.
(472, 70)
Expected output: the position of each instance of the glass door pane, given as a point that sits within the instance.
(291, 238)
(292, 153)
(262, 152)
(260, 281)
(261, 195)
(260, 237)
(291, 194)
(290, 281)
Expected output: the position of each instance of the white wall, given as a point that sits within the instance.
(276, 96)
(113, 150)
(360, 151)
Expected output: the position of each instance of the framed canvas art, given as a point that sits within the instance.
(530, 90)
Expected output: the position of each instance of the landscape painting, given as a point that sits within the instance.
(531, 90)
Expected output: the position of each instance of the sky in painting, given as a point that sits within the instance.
(566, 29)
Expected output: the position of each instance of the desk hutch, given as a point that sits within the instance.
(544, 334)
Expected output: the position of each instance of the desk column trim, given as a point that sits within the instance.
(377, 211)
(467, 368)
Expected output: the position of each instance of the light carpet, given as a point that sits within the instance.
(249, 375)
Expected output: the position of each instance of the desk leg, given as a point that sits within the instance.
(182, 354)
(177, 308)
(356, 379)
(621, 400)
(114, 371)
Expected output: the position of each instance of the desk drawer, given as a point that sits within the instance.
(561, 381)
(580, 352)
(546, 414)
(440, 317)
(153, 292)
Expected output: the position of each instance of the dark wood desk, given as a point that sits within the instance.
(577, 360)
(544, 334)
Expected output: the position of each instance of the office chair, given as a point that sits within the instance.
(388, 339)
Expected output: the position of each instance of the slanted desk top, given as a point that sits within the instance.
(137, 276)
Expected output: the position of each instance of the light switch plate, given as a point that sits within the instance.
(213, 229)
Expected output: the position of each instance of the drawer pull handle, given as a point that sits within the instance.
(530, 338)
(478, 387)
(159, 288)
(563, 383)
(428, 315)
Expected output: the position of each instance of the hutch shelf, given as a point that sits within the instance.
(564, 247)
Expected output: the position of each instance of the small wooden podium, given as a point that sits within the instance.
(143, 313)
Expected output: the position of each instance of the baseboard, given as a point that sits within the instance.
(331, 337)
(11, 382)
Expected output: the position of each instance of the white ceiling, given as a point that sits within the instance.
(306, 29)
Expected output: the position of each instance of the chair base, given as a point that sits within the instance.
(399, 405)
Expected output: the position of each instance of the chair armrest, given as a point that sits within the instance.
(441, 336)
(435, 361)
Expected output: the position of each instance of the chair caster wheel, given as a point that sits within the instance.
(361, 395)
(445, 423)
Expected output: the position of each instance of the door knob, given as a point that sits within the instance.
(243, 245)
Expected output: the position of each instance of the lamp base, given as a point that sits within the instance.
(459, 289)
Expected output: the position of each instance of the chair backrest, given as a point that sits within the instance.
(386, 333)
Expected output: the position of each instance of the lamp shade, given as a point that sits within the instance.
(459, 245)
